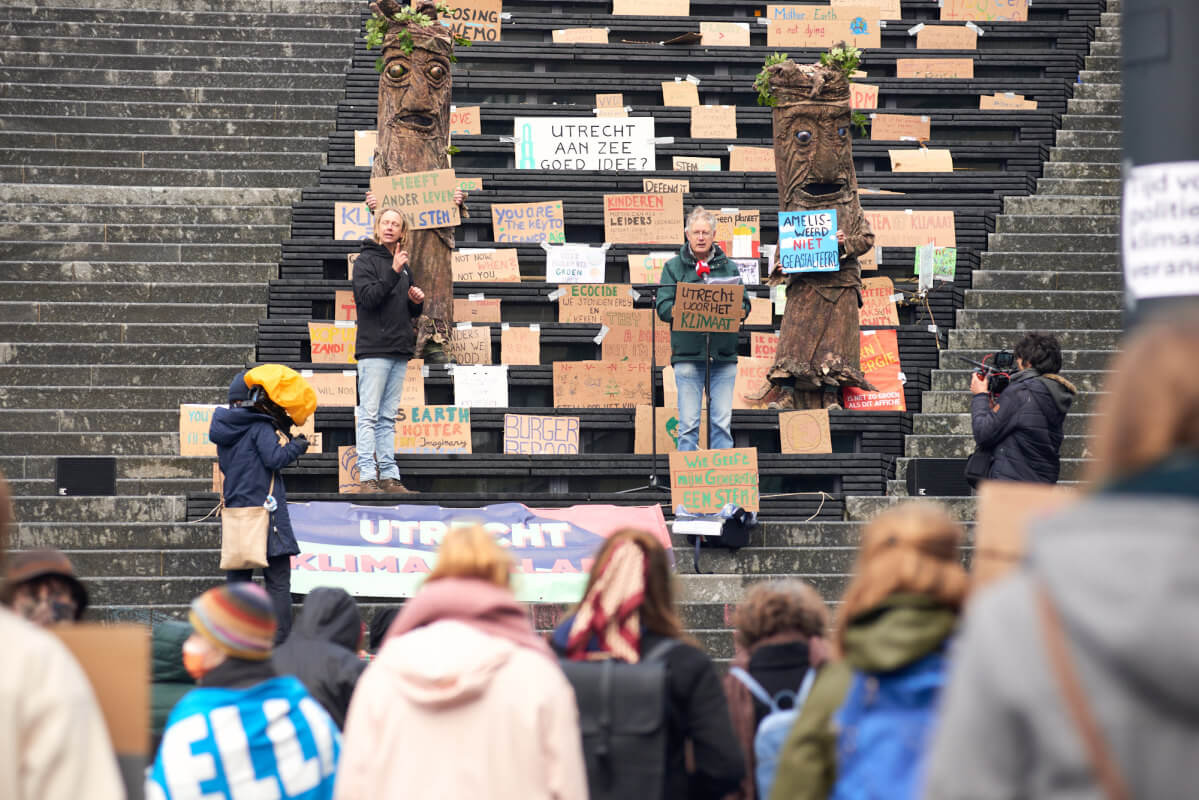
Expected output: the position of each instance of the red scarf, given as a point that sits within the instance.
(610, 613)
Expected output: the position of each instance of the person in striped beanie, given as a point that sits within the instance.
(259, 732)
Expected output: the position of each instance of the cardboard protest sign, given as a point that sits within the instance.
(194, 421)
(724, 34)
(868, 261)
(911, 228)
(751, 159)
(750, 269)
(985, 10)
(1006, 511)
(529, 434)
(752, 375)
(713, 122)
(739, 232)
(477, 20)
(344, 307)
(432, 429)
(333, 389)
(643, 218)
(469, 344)
(486, 265)
(680, 93)
(218, 479)
(862, 96)
(944, 263)
(348, 476)
(934, 68)
(583, 143)
(888, 9)
(823, 26)
(350, 259)
(520, 345)
(575, 263)
(898, 127)
(921, 160)
(482, 309)
(707, 307)
(609, 100)
(628, 333)
(413, 393)
(425, 198)
(470, 184)
(647, 267)
(601, 384)
(665, 186)
(364, 147)
(465, 121)
(763, 345)
(667, 430)
(695, 164)
(352, 221)
(478, 386)
(611, 112)
(587, 302)
(528, 222)
(580, 36)
(761, 311)
(805, 432)
(116, 661)
(947, 37)
(808, 241)
(878, 307)
(651, 8)
(1005, 100)
(880, 364)
(705, 481)
(332, 342)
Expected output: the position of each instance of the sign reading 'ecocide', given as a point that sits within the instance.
(584, 143)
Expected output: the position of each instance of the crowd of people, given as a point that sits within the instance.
(1071, 677)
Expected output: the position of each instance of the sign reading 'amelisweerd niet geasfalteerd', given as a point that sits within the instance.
(388, 551)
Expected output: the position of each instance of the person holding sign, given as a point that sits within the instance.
(388, 302)
(694, 356)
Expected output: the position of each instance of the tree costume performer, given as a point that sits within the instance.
(818, 351)
(413, 136)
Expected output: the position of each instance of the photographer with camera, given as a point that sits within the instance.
(1018, 426)
(253, 443)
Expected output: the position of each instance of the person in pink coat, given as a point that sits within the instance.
(464, 701)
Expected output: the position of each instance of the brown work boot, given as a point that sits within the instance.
(783, 401)
(767, 393)
(392, 486)
(370, 486)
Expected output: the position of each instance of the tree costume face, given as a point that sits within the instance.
(413, 134)
(818, 340)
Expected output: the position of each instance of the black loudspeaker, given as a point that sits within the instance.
(938, 477)
(95, 475)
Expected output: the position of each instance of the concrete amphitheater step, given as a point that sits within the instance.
(117, 376)
(128, 398)
(302, 130)
(947, 380)
(126, 333)
(1059, 223)
(959, 424)
(1040, 319)
(1052, 243)
(194, 313)
(962, 445)
(1065, 170)
(148, 215)
(283, 114)
(1071, 262)
(1046, 206)
(1006, 338)
(206, 95)
(243, 273)
(173, 160)
(957, 401)
(107, 176)
(110, 354)
(151, 293)
(129, 468)
(150, 251)
(61, 419)
(1049, 281)
(145, 508)
(1033, 299)
(228, 143)
(136, 233)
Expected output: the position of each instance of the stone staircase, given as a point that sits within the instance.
(1052, 265)
(149, 161)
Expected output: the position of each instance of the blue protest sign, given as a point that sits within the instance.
(808, 241)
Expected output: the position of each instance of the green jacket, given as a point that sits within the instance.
(901, 630)
(170, 679)
(685, 346)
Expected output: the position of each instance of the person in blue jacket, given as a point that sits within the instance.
(251, 450)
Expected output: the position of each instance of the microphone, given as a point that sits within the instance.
(702, 268)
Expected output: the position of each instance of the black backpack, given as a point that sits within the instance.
(622, 716)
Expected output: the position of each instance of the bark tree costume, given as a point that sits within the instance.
(414, 132)
(818, 349)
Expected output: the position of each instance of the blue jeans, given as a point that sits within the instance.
(380, 383)
(689, 378)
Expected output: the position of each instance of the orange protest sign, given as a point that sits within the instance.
(465, 121)
(947, 37)
(194, 421)
(880, 364)
(897, 127)
(863, 95)
(1005, 100)
(985, 10)
(486, 266)
(763, 345)
(705, 481)
(751, 159)
(878, 307)
(665, 186)
(713, 122)
(680, 93)
(470, 345)
(344, 307)
(601, 384)
(694, 164)
(587, 302)
(520, 345)
(724, 34)
(580, 36)
(332, 342)
(425, 198)
(643, 218)
(934, 68)
(822, 26)
(911, 228)
(921, 160)
(333, 389)
(483, 309)
(752, 376)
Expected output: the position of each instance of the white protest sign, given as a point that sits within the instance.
(481, 386)
(574, 263)
(1161, 227)
(584, 143)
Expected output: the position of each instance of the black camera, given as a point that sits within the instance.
(996, 368)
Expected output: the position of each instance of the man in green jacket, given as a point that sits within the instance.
(701, 260)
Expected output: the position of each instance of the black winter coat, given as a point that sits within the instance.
(1025, 434)
(248, 449)
(385, 313)
(322, 650)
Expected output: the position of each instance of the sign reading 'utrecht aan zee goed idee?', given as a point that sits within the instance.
(616, 144)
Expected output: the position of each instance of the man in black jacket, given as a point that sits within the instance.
(1023, 427)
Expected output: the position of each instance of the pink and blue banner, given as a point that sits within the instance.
(386, 551)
